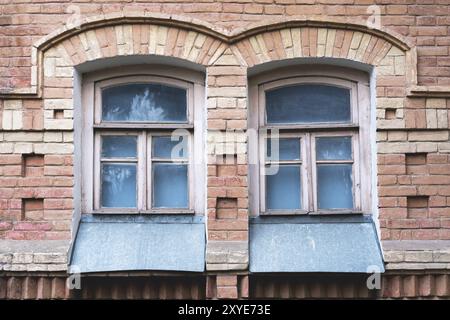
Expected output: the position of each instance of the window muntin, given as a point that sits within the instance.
(284, 175)
(144, 102)
(307, 103)
(284, 186)
(334, 167)
(142, 171)
(169, 161)
(118, 171)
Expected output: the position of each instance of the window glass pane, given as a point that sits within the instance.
(144, 102)
(334, 148)
(163, 147)
(170, 187)
(288, 148)
(118, 146)
(283, 189)
(334, 186)
(118, 185)
(308, 103)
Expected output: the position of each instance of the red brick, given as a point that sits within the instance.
(226, 280)
(227, 292)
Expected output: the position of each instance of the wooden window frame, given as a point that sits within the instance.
(355, 171)
(303, 174)
(358, 128)
(94, 128)
(318, 80)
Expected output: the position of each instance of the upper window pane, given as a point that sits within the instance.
(308, 103)
(165, 147)
(147, 102)
(288, 149)
(119, 146)
(334, 148)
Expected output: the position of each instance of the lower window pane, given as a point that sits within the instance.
(170, 188)
(334, 186)
(119, 186)
(283, 189)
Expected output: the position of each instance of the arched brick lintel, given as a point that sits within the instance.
(208, 42)
(225, 35)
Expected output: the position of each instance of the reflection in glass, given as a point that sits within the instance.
(118, 186)
(163, 147)
(118, 146)
(334, 186)
(289, 149)
(144, 102)
(308, 103)
(334, 148)
(170, 187)
(283, 189)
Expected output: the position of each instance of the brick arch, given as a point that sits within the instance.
(316, 42)
(394, 64)
(58, 60)
(132, 39)
(203, 43)
(107, 36)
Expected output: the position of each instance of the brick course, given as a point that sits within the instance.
(409, 51)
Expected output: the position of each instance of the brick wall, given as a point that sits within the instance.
(425, 22)
(41, 43)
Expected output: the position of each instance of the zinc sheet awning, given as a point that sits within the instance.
(314, 244)
(119, 243)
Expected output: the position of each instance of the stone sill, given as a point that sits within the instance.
(30, 255)
(416, 254)
(51, 255)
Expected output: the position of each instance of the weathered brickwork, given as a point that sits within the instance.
(426, 22)
(41, 43)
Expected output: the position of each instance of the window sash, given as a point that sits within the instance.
(308, 162)
(144, 163)
(99, 123)
(149, 173)
(302, 162)
(355, 171)
(352, 86)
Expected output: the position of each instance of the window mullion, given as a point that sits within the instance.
(142, 163)
(149, 191)
(310, 169)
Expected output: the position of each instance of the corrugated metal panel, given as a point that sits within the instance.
(344, 286)
(314, 244)
(143, 288)
(309, 287)
(400, 286)
(139, 243)
(34, 287)
(54, 287)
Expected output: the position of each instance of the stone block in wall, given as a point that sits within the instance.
(226, 255)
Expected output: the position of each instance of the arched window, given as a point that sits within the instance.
(313, 142)
(139, 125)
